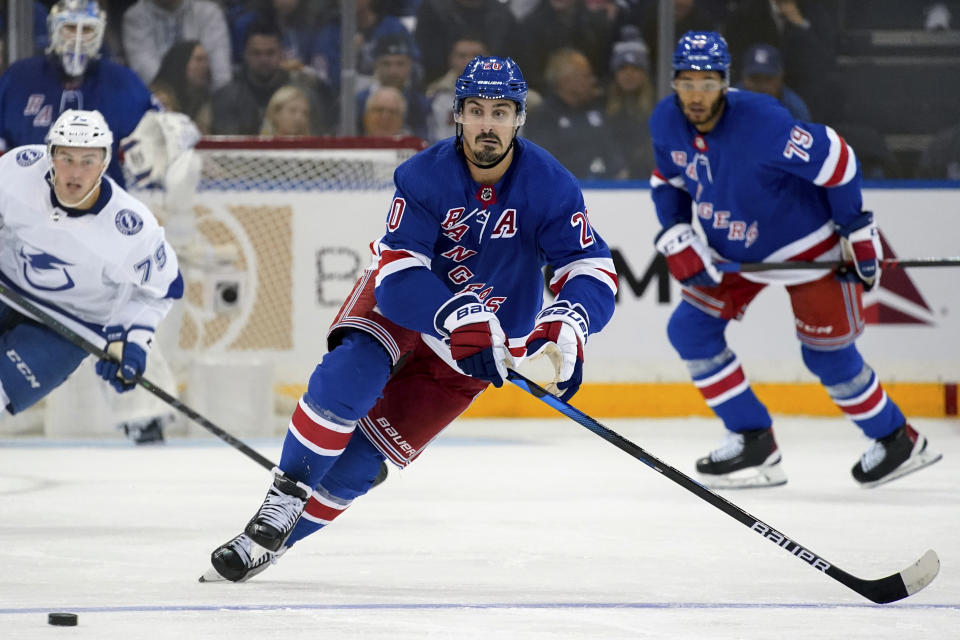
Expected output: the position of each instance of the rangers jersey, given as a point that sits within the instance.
(109, 265)
(763, 186)
(32, 96)
(446, 234)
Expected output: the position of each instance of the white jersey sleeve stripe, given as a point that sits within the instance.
(841, 163)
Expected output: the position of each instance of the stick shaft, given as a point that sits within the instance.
(73, 337)
(883, 590)
(887, 263)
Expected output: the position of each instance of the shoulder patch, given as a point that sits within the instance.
(28, 156)
(128, 222)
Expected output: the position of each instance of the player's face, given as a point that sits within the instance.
(488, 127)
(701, 97)
(76, 172)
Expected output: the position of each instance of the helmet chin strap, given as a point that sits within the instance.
(490, 165)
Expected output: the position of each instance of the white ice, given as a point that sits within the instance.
(503, 529)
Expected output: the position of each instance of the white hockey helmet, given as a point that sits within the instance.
(76, 29)
(75, 128)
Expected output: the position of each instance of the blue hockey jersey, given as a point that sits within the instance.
(764, 187)
(447, 234)
(32, 96)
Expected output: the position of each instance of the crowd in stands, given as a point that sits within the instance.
(273, 67)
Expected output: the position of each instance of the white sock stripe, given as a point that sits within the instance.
(866, 415)
(727, 370)
(860, 397)
(726, 395)
(325, 500)
(323, 422)
(309, 445)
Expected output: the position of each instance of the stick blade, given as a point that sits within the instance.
(921, 573)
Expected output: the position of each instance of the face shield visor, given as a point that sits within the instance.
(489, 113)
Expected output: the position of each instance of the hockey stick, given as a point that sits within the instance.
(883, 590)
(67, 333)
(888, 263)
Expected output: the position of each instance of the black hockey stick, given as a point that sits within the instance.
(883, 590)
(69, 334)
(887, 263)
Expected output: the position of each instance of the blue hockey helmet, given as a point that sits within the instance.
(701, 51)
(492, 77)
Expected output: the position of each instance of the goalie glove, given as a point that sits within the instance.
(560, 333)
(860, 242)
(128, 356)
(158, 141)
(477, 342)
(688, 258)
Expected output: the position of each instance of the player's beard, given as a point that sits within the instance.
(709, 117)
(484, 154)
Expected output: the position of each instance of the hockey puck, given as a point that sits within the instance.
(62, 619)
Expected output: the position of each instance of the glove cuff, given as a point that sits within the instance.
(570, 314)
(675, 239)
(861, 223)
(461, 309)
(140, 336)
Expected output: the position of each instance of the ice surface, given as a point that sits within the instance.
(503, 529)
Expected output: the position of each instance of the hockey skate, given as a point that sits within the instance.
(239, 560)
(144, 432)
(263, 538)
(903, 451)
(744, 460)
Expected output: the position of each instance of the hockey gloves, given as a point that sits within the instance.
(860, 241)
(688, 258)
(560, 332)
(128, 351)
(477, 342)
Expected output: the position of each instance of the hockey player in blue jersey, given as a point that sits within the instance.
(765, 187)
(454, 292)
(72, 75)
(75, 244)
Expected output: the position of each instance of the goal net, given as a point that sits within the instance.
(271, 235)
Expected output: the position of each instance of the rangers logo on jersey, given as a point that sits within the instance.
(128, 222)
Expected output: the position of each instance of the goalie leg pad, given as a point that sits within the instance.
(33, 362)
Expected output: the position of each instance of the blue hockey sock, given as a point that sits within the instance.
(342, 389)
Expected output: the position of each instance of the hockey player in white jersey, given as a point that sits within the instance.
(77, 245)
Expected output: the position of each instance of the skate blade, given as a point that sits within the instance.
(212, 576)
(752, 478)
(914, 463)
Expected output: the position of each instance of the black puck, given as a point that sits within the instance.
(62, 619)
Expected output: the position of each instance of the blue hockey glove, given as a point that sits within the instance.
(688, 258)
(128, 351)
(860, 242)
(560, 333)
(477, 342)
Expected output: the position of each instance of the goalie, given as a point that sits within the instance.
(72, 75)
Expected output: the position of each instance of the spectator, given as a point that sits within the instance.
(562, 23)
(441, 22)
(372, 24)
(630, 101)
(298, 23)
(570, 123)
(763, 73)
(941, 158)
(165, 95)
(440, 93)
(384, 113)
(288, 113)
(151, 27)
(240, 107)
(185, 70)
(805, 35)
(393, 65)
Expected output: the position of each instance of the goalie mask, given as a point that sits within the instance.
(76, 29)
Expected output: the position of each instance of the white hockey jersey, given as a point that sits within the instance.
(109, 265)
